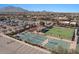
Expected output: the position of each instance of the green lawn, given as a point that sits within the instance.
(61, 32)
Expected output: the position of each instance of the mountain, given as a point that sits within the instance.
(12, 9)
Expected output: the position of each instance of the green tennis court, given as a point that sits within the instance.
(32, 38)
(61, 32)
(77, 48)
(55, 43)
(39, 39)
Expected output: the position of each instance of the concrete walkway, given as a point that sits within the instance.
(74, 43)
(58, 38)
(45, 42)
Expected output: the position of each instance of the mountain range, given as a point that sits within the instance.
(12, 9)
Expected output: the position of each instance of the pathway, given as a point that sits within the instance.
(74, 43)
(45, 42)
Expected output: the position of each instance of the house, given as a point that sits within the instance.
(64, 23)
(77, 24)
(73, 23)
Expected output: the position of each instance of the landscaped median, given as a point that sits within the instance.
(61, 32)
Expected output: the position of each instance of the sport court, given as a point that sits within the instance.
(40, 39)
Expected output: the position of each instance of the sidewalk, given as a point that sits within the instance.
(74, 43)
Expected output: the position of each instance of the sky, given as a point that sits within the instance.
(47, 7)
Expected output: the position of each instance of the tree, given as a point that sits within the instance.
(42, 23)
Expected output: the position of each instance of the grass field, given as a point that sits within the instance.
(61, 32)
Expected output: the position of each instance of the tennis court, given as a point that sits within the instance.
(77, 48)
(55, 43)
(32, 38)
(61, 32)
(39, 39)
